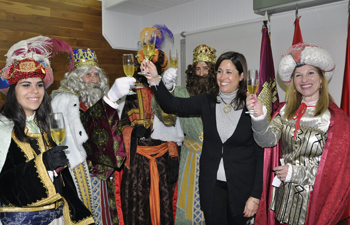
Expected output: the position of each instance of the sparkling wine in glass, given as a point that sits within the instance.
(173, 56)
(57, 128)
(148, 49)
(252, 85)
(129, 67)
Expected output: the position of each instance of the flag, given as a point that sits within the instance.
(298, 38)
(345, 98)
(269, 98)
(268, 94)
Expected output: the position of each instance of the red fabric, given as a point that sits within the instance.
(175, 199)
(299, 113)
(298, 38)
(345, 99)
(19, 71)
(332, 184)
(106, 216)
(268, 94)
(264, 216)
(118, 181)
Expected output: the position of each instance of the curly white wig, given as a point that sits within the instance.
(305, 54)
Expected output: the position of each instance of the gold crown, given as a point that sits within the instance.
(84, 57)
(204, 53)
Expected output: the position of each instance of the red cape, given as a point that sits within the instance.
(332, 183)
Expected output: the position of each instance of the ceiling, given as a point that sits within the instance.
(142, 7)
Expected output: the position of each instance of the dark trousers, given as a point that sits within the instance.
(221, 210)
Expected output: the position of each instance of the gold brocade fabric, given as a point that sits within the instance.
(290, 200)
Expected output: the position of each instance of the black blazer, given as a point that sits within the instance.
(243, 158)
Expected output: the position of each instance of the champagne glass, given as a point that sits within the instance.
(129, 67)
(173, 56)
(252, 85)
(148, 49)
(57, 128)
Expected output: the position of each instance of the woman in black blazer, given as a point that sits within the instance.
(230, 180)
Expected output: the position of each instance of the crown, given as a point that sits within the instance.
(204, 53)
(84, 57)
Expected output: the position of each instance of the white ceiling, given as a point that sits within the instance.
(142, 7)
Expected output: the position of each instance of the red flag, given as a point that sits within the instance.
(268, 94)
(298, 38)
(345, 98)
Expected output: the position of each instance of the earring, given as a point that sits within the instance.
(321, 86)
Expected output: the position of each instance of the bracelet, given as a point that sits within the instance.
(155, 84)
(253, 200)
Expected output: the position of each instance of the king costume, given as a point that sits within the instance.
(96, 147)
(150, 171)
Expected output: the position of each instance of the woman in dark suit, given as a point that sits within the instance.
(230, 180)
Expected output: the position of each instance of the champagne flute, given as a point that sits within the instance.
(57, 128)
(252, 85)
(148, 49)
(173, 56)
(129, 67)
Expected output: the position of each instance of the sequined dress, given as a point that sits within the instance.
(290, 200)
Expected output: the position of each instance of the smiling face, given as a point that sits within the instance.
(202, 69)
(228, 76)
(307, 81)
(91, 76)
(30, 93)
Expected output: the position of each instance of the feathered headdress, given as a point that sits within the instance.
(161, 33)
(31, 58)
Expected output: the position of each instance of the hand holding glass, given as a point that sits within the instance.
(252, 85)
(57, 128)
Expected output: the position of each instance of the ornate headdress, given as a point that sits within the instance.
(159, 58)
(204, 53)
(161, 33)
(305, 54)
(84, 57)
(30, 58)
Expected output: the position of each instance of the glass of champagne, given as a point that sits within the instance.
(57, 128)
(252, 85)
(129, 67)
(148, 49)
(173, 56)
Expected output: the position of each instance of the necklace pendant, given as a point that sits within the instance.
(227, 108)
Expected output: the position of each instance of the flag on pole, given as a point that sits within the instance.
(298, 38)
(268, 94)
(345, 104)
(269, 97)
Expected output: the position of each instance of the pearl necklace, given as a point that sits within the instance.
(227, 107)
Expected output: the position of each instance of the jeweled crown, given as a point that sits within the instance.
(84, 57)
(204, 53)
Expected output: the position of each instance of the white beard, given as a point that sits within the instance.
(91, 94)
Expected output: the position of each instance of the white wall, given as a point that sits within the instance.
(325, 26)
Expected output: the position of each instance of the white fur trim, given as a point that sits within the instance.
(311, 55)
(6, 127)
(75, 133)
